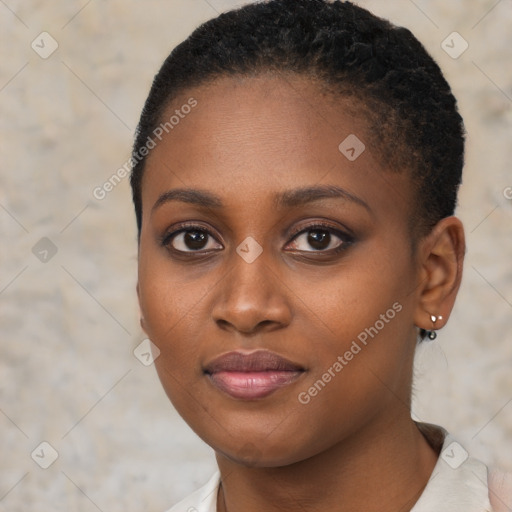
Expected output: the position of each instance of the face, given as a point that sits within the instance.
(279, 286)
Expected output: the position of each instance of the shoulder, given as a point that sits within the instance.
(500, 490)
(202, 500)
(460, 482)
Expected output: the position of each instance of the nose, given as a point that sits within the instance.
(252, 298)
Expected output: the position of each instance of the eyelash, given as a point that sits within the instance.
(346, 239)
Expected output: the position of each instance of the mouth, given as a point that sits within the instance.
(252, 375)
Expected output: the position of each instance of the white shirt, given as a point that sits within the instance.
(458, 483)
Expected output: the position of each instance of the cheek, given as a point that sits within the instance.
(364, 346)
(168, 294)
(170, 308)
(170, 305)
(364, 293)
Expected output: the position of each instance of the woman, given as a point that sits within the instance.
(296, 173)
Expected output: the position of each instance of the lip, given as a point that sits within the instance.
(252, 375)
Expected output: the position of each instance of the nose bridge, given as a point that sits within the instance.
(249, 283)
(250, 271)
(251, 294)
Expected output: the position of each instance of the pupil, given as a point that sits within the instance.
(317, 239)
(195, 239)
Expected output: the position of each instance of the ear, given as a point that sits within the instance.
(142, 322)
(441, 258)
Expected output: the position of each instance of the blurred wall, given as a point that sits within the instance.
(68, 311)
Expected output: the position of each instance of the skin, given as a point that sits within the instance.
(247, 140)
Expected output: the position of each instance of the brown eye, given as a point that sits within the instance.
(192, 239)
(320, 238)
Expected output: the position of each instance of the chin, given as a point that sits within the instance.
(258, 460)
(262, 454)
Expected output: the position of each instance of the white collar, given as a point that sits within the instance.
(458, 482)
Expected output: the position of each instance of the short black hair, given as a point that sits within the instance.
(412, 116)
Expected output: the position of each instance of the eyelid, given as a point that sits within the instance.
(322, 224)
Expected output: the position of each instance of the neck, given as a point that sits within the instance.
(384, 467)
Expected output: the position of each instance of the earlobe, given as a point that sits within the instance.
(440, 273)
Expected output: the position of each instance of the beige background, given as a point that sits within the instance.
(69, 325)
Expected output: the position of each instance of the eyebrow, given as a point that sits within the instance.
(286, 199)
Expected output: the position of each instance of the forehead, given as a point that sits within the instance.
(255, 136)
(272, 117)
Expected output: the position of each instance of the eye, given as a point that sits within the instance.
(321, 238)
(190, 238)
(193, 238)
